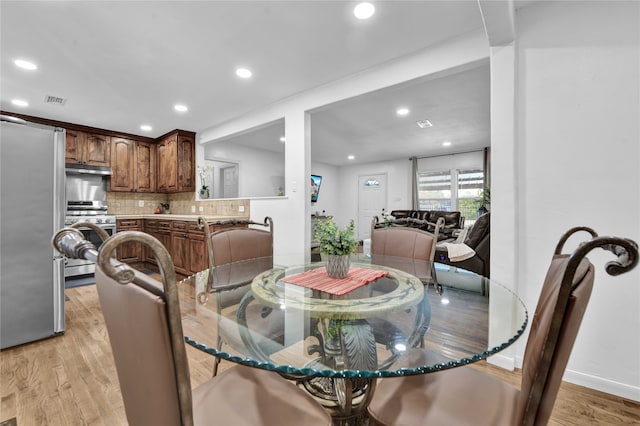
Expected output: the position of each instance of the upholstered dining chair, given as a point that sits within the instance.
(408, 242)
(402, 245)
(143, 321)
(404, 241)
(237, 253)
(464, 396)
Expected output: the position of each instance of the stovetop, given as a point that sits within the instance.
(88, 211)
(106, 219)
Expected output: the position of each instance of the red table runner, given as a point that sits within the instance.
(317, 279)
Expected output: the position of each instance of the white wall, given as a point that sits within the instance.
(329, 195)
(578, 163)
(292, 213)
(565, 152)
(261, 172)
(398, 187)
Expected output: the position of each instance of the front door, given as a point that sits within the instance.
(372, 200)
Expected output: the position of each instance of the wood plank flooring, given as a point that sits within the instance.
(71, 379)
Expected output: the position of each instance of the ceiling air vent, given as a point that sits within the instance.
(423, 124)
(48, 99)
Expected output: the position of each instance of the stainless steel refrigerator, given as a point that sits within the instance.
(32, 209)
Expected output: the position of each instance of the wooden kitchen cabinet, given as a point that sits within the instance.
(160, 229)
(132, 251)
(185, 242)
(180, 246)
(145, 167)
(188, 247)
(198, 253)
(87, 149)
(176, 162)
(134, 166)
(122, 164)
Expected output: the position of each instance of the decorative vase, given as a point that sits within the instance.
(337, 265)
(204, 193)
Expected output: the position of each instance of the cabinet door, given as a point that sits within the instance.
(153, 231)
(74, 145)
(145, 167)
(131, 251)
(167, 164)
(198, 255)
(122, 163)
(180, 251)
(98, 150)
(165, 238)
(186, 164)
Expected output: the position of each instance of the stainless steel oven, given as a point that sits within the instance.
(74, 267)
(87, 202)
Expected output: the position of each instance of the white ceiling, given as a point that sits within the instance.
(123, 64)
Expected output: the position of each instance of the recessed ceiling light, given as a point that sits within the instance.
(20, 103)
(283, 139)
(364, 10)
(180, 108)
(402, 111)
(25, 64)
(423, 124)
(243, 73)
(351, 157)
(446, 143)
(146, 127)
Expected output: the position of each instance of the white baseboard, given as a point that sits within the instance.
(503, 361)
(603, 385)
(599, 384)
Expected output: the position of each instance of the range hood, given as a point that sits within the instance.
(83, 169)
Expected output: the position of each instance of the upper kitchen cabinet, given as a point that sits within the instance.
(176, 162)
(88, 149)
(145, 167)
(122, 164)
(134, 166)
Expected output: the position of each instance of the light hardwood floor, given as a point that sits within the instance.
(71, 379)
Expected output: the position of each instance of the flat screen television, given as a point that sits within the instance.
(316, 180)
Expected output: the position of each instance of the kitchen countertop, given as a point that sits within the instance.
(193, 217)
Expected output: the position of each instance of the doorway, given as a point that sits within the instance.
(372, 200)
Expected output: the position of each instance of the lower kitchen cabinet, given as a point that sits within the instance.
(188, 247)
(161, 230)
(132, 251)
(185, 242)
(180, 246)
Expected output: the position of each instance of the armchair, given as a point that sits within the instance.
(479, 239)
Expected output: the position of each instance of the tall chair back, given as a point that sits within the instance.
(404, 241)
(561, 306)
(144, 325)
(238, 253)
(559, 312)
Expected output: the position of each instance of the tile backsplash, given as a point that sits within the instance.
(179, 203)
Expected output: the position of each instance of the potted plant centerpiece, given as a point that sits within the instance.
(336, 244)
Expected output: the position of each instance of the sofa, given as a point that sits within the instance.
(453, 221)
(478, 238)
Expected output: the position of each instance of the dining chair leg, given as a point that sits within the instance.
(216, 361)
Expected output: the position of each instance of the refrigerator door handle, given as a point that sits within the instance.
(58, 294)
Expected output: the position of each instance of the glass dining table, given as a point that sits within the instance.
(337, 337)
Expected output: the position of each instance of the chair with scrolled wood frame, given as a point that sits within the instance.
(143, 321)
(464, 396)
